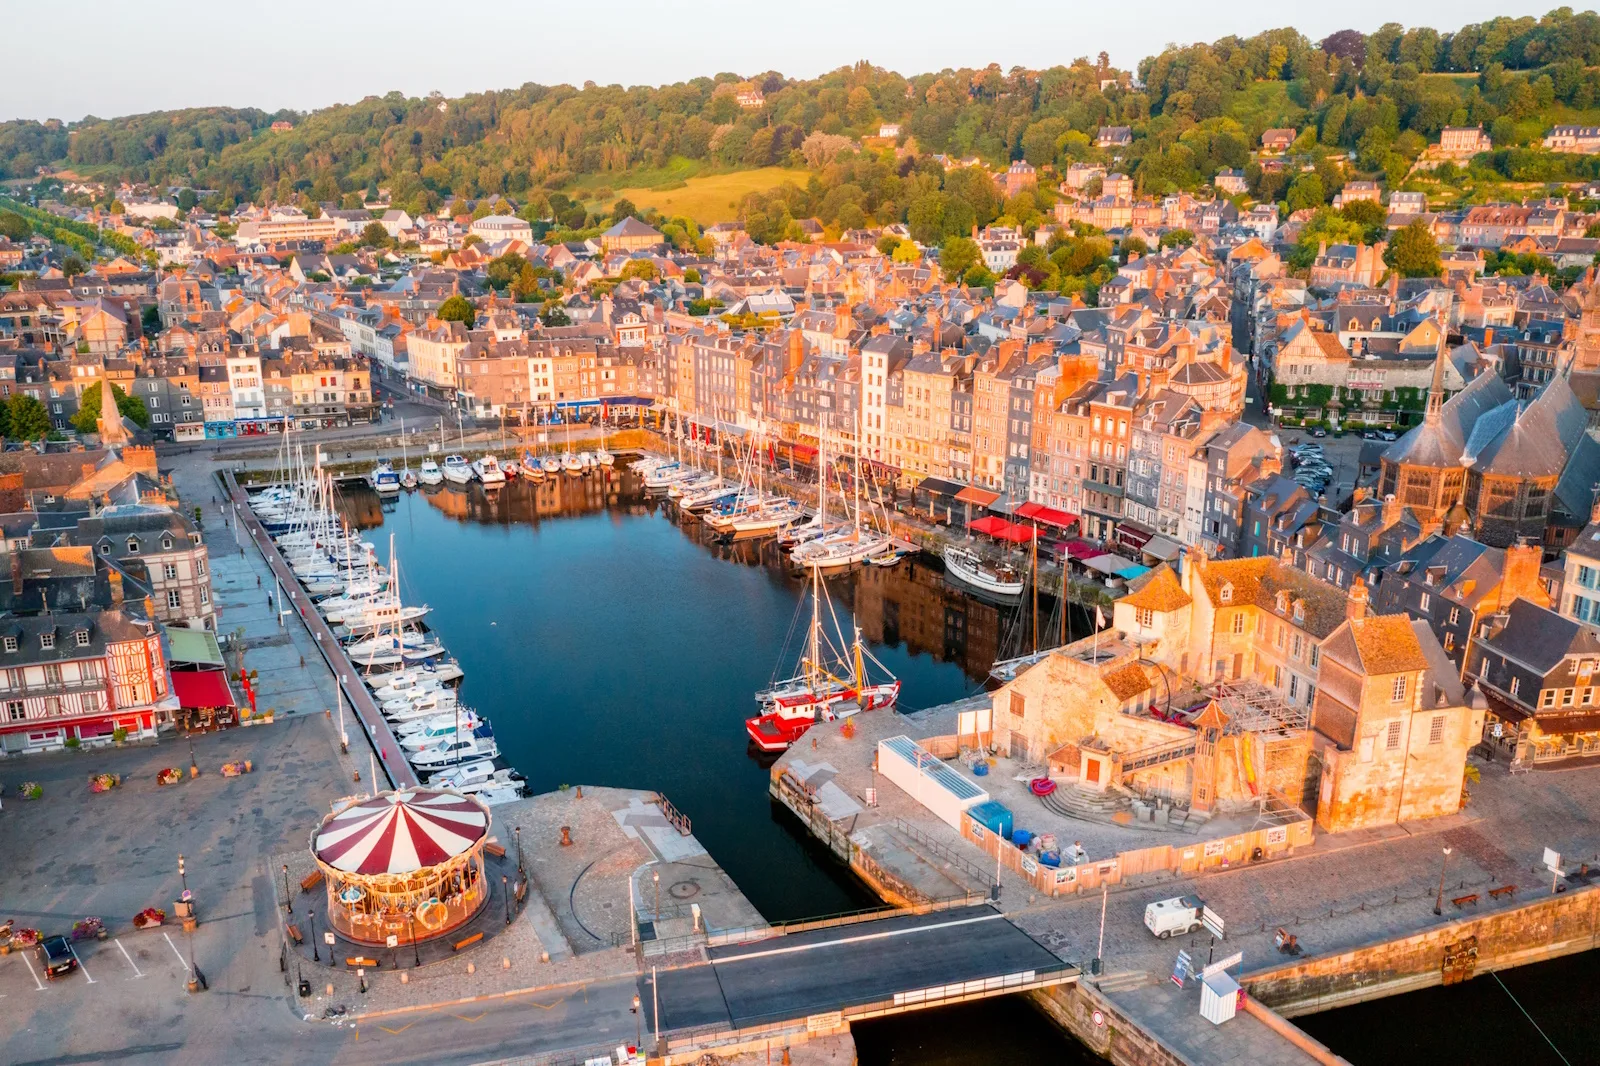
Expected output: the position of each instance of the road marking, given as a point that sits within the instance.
(79, 961)
(136, 971)
(464, 1018)
(29, 965)
(397, 1032)
(857, 939)
(175, 950)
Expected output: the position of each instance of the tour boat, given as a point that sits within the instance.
(817, 691)
(457, 470)
(487, 470)
(430, 474)
(384, 479)
(966, 567)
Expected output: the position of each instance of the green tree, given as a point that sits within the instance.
(887, 243)
(375, 236)
(14, 226)
(150, 320)
(504, 271)
(1413, 252)
(907, 252)
(1305, 191)
(958, 256)
(1134, 246)
(28, 418)
(457, 309)
(87, 419)
(1177, 238)
(691, 276)
(73, 265)
(555, 315)
(638, 268)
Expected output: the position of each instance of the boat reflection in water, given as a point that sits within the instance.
(912, 604)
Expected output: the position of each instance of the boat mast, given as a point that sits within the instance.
(1034, 580)
(814, 656)
(405, 456)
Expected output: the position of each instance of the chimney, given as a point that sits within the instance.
(1520, 577)
(1356, 606)
(115, 577)
(1391, 510)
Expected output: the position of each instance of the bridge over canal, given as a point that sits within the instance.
(824, 978)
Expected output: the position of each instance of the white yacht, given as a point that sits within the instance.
(384, 479)
(430, 474)
(968, 568)
(457, 470)
(487, 470)
(442, 756)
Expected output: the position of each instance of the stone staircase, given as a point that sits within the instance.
(1114, 807)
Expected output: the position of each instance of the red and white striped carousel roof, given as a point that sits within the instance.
(401, 832)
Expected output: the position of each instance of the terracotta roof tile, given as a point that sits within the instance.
(1159, 591)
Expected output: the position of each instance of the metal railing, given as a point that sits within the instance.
(1158, 754)
(944, 851)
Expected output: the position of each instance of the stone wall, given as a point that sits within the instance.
(1117, 1038)
(1543, 928)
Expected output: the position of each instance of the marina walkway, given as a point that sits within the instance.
(385, 746)
(866, 969)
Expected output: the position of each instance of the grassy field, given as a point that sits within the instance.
(712, 197)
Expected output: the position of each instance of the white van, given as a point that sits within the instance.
(1174, 917)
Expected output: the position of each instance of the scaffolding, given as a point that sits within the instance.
(1252, 707)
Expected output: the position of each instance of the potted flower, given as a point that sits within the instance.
(73, 742)
(32, 790)
(88, 929)
(149, 918)
(118, 735)
(25, 938)
(103, 782)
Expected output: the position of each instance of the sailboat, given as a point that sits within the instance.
(966, 566)
(1007, 668)
(408, 480)
(430, 474)
(603, 457)
(846, 547)
(832, 682)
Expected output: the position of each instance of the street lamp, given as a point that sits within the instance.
(655, 875)
(639, 1019)
(194, 769)
(312, 914)
(411, 921)
(288, 900)
(505, 890)
(520, 872)
(1438, 903)
(184, 877)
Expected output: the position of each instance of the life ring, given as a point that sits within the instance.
(425, 908)
(1041, 786)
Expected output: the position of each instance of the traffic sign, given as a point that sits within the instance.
(1212, 921)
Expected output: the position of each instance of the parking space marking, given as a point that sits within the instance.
(35, 976)
(79, 960)
(136, 972)
(175, 951)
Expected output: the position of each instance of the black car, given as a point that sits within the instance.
(56, 956)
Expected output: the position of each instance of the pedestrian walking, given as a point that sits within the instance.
(269, 601)
(258, 581)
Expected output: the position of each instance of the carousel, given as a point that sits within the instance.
(407, 864)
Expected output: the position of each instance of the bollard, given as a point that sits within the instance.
(405, 978)
(330, 989)
(566, 836)
(361, 975)
(472, 967)
(505, 963)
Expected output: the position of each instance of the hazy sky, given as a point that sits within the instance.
(114, 57)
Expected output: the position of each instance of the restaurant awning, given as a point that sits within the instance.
(1082, 549)
(1132, 536)
(978, 497)
(1110, 564)
(1163, 548)
(1038, 512)
(938, 486)
(198, 689)
(993, 525)
(1017, 534)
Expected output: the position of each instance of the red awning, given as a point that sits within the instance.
(201, 688)
(803, 451)
(1048, 515)
(993, 525)
(1133, 536)
(973, 494)
(1017, 534)
(1082, 549)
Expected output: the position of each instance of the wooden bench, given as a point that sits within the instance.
(496, 850)
(311, 880)
(360, 960)
(1502, 891)
(468, 942)
(1462, 901)
(294, 934)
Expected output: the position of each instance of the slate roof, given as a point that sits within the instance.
(1440, 442)
(1540, 638)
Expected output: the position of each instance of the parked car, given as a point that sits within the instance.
(1388, 435)
(56, 957)
(1319, 433)
(1174, 917)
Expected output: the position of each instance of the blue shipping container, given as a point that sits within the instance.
(994, 816)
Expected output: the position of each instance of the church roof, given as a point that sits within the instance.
(1538, 442)
(1440, 442)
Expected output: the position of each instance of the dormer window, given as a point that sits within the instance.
(81, 638)
(1283, 602)
(1299, 610)
(105, 549)
(47, 641)
(10, 643)
(1225, 593)
(133, 546)
(166, 544)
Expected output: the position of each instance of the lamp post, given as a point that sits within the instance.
(194, 769)
(521, 873)
(183, 877)
(411, 920)
(312, 915)
(655, 875)
(505, 890)
(288, 900)
(639, 1019)
(1438, 902)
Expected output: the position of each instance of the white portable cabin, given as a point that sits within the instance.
(928, 780)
